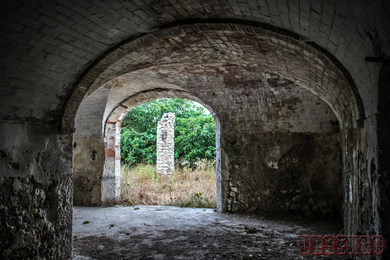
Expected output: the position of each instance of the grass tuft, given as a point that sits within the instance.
(187, 187)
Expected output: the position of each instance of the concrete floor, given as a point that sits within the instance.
(160, 232)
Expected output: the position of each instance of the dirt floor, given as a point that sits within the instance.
(161, 232)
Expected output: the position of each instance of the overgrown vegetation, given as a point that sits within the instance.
(194, 132)
(191, 186)
(187, 187)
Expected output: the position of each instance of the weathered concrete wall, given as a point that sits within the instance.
(166, 145)
(287, 157)
(88, 163)
(35, 193)
(279, 172)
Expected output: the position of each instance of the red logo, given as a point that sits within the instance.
(341, 245)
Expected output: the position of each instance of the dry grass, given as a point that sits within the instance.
(186, 188)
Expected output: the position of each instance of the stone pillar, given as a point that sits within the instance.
(165, 145)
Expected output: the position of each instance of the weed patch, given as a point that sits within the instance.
(188, 187)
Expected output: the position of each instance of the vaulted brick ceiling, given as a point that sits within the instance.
(205, 56)
(48, 45)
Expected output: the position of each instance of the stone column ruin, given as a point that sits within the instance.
(165, 145)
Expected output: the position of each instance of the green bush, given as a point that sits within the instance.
(194, 131)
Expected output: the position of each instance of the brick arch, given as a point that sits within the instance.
(252, 49)
(229, 44)
(111, 172)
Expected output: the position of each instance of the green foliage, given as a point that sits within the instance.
(137, 146)
(194, 131)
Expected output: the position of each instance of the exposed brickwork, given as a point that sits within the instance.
(109, 152)
(88, 120)
(253, 49)
(251, 101)
(88, 161)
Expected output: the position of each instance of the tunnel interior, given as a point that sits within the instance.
(302, 115)
(282, 142)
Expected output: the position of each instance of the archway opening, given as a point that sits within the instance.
(168, 162)
(246, 86)
(269, 166)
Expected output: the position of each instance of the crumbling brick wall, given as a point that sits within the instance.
(166, 145)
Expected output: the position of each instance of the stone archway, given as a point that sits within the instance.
(110, 185)
(249, 55)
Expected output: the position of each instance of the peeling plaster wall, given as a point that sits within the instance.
(280, 173)
(287, 157)
(35, 193)
(88, 149)
(88, 162)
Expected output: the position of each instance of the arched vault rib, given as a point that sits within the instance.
(228, 44)
(121, 110)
